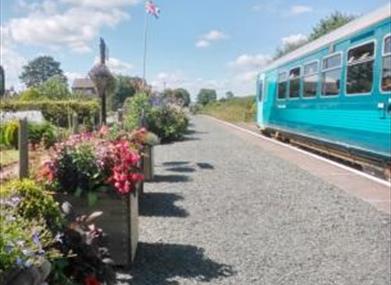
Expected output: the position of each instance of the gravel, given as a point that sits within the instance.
(224, 211)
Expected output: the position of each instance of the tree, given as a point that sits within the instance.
(324, 26)
(229, 95)
(287, 48)
(123, 89)
(330, 23)
(30, 94)
(54, 88)
(39, 70)
(206, 96)
(179, 96)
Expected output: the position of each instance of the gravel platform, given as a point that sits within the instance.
(224, 211)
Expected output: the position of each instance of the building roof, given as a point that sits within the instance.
(340, 33)
(83, 83)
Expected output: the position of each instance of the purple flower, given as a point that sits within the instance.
(36, 239)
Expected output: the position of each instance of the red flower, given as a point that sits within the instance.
(91, 280)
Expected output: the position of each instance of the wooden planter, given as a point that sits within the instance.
(148, 163)
(119, 221)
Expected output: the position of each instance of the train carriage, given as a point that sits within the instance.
(334, 93)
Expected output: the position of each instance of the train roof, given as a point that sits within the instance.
(342, 32)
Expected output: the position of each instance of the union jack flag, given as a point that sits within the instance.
(152, 9)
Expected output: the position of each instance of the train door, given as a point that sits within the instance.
(384, 103)
(260, 100)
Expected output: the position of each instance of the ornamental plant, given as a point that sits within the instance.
(24, 242)
(88, 162)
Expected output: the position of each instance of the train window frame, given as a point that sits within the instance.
(260, 91)
(278, 83)
(300, 82)
(383, 55)
(347, 67)
(317, 61)
(322, 70)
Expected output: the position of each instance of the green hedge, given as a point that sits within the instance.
(56, 112)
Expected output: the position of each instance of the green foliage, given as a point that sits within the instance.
(126, 87)
(77, 170)
(18, 249)
(39, 70)
(238, 109)
(54, 88)
(30, 94)
(35, 202)
(37, 133)
(168, 123)
(179, 96)
(229, 95)
(11, 134)
(44, 133)
(56, 112)
(134, 107)
(325, 26)
(330, 23)
(206, 96)
(289, 47)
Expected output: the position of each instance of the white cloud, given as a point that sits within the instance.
(214, 35)
(116, 65)
(300, 9)
(210, 37)
(202, 44)
(55, 25)
(247, 61)
(102, 3)
(10, 59)
(293, 39)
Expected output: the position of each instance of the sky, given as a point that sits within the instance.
(219, 44)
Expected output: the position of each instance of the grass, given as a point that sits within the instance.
(8, 156)
(235, 110)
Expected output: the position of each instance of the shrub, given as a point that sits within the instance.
(37, 133)
(56, 112)
(11, 134)
(168, 123)
(134, 107)
(26, 215)
(34, 202)
(44, 133)
(30, 94)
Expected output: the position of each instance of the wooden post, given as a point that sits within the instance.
(75, 124)
(121, 118)
(103, 108)
(23, 149)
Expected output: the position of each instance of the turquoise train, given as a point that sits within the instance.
(334, 93)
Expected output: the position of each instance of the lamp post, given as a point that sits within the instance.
(102, 78)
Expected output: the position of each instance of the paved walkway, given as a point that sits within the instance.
(224, 210)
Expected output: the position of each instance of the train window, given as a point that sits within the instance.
(294, 83)
(331, 75)
(282, 85)
(386, 71)
(359, 77)
(310, 79)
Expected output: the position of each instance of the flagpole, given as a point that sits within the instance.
(145, 47)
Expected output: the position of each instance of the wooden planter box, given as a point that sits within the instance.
(119, 221)
(148, 163)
